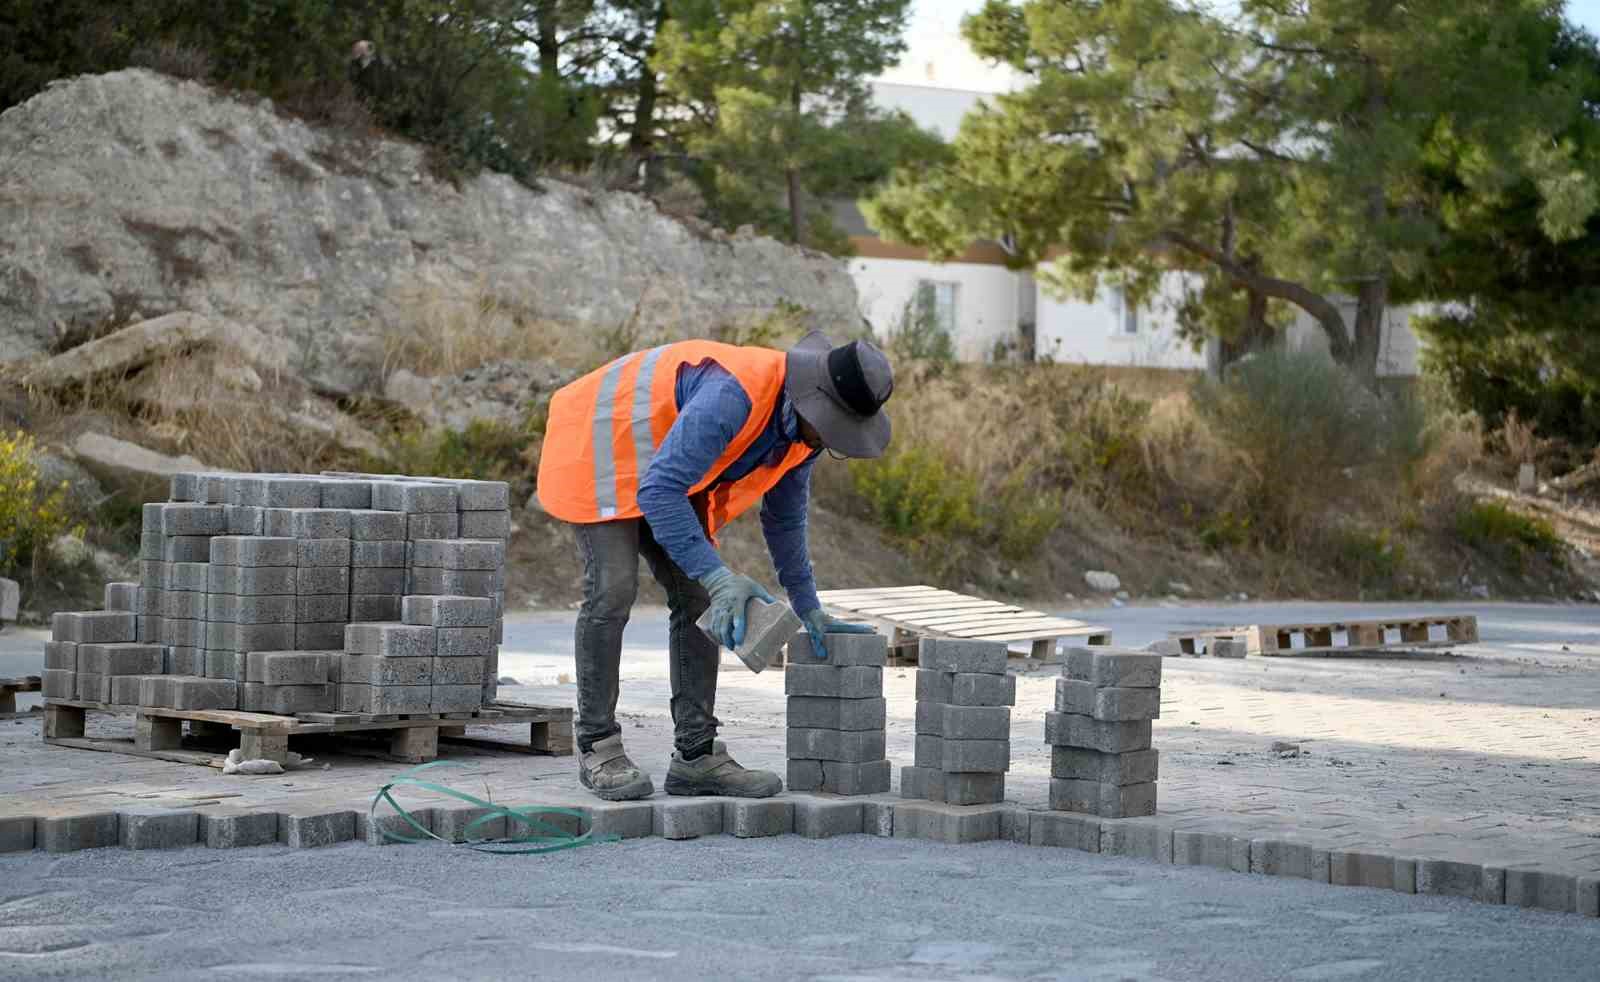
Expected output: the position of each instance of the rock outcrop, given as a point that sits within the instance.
(131, 195)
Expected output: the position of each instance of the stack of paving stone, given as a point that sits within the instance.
(964, 700)
(1101, 759)
(837, 715)
(249, 584)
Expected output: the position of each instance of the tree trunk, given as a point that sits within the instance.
(792, 177)
(641, 137)
(1371, 303)
(548, 43)
(1255, 335)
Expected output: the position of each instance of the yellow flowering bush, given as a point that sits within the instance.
(30, 515)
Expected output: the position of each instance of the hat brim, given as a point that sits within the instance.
(809, 388)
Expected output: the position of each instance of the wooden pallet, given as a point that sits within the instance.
(1333, 638)
(9, 689)
(912, 612)
(158, 732)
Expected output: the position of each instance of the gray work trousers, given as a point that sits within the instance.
(610, 552)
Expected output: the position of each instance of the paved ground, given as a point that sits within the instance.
(1488, 756)
(853, 908)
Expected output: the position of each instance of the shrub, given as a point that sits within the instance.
(1492, 527)
(916, 493)
(31, 516)
(485, 451)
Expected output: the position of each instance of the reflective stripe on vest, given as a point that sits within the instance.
(605, 463)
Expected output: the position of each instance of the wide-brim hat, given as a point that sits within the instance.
(840, 390)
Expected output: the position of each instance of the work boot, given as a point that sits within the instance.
(607, 771)
(716, 773)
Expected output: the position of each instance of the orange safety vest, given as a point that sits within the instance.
(604, 430)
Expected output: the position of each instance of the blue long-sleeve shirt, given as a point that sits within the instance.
(712, 409)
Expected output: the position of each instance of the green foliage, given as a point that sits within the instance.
(916, 493)
(1369, 558)
(31, 515)
(776, 89)
(1279, 149)
(1021, 517)
(1492, 527)
(485, 451)
(919, 336)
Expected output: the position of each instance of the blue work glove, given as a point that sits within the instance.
(819, 623)
(730, 593)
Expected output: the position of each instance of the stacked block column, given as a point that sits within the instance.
(1101, 759)
(837, 715)
(964, 699)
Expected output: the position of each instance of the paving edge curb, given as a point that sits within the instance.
(1156, 839)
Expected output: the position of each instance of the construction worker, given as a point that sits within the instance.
(649, 456)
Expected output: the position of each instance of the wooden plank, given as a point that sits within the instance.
(969, 620)
(1092, 636)
(896, 610)
(825, 594)
(1043, 626)
(126, 747)
(23, 683)
(238, 719)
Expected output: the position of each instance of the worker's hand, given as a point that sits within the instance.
(819, 623)
(730, 592)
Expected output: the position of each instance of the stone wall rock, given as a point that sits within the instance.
(133, 195)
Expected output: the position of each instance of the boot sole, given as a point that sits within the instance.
(684, 788)
(642, 788)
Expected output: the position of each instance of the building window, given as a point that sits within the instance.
(1127, 314)
(936, 302)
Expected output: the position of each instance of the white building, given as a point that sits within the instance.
(984, 305)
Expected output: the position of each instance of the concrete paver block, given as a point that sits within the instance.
(458, 553)
(1113, 667)
(624, 819)
(1205, 847)
(823, 818)
(221, 664)
(93, 688)
(768, 627)
(251, 581)
(378, 526)
(186, 577)
(120, 658)
(1064, 830)
(850, 682)
(1115, 704)
(939, 687)
(313, 581)
(435, 525)
(385, 700)
(877, 817)
(960, 656)
(125, 689)
(322, 636)
(853, 746)
(246, 519)
(322, 552)
(389, 554)
(853, 778)
(287, 667)
(345, 494)
(253, 550)
(458, 671)
(287, 700)
(189, 692)
(975, 723)
(837, 714)
(319, 523)
(1016, 825)
(157, 828)
(1447, 878)
(69, 833)
(17, 833)
(1105, 800)
(192, 519)
(228, 609)
(971, 689)
(370, 829)
(1405, 875)
(1546, 889)
(223, 827)
(747, 818)
(390, 640)
(456, 824)
(482, 495)
(455, 698)
(1586, 892)
(1277, 857)
(60, 683)
(156, 691)
(930, 719)
(427, 580)
(413, 496)
(383, 670)
(1137, 838)
(312, 828)
(61, 656)
(804, 775)
(323, 609)
(444, 611)
(378, 580)
(486, 524)
(1133, 767)
(94, 626)
(464, 642)
(275, 492)
(375, 607)
(185, 548)
(1362, 868)
(121, 597)
(843, 650)
(984, 756)
(182, 604)
(952, 824)
(1088, 733)
(687, 818)
(929, 752)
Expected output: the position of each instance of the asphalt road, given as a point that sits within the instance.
(851, 908)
